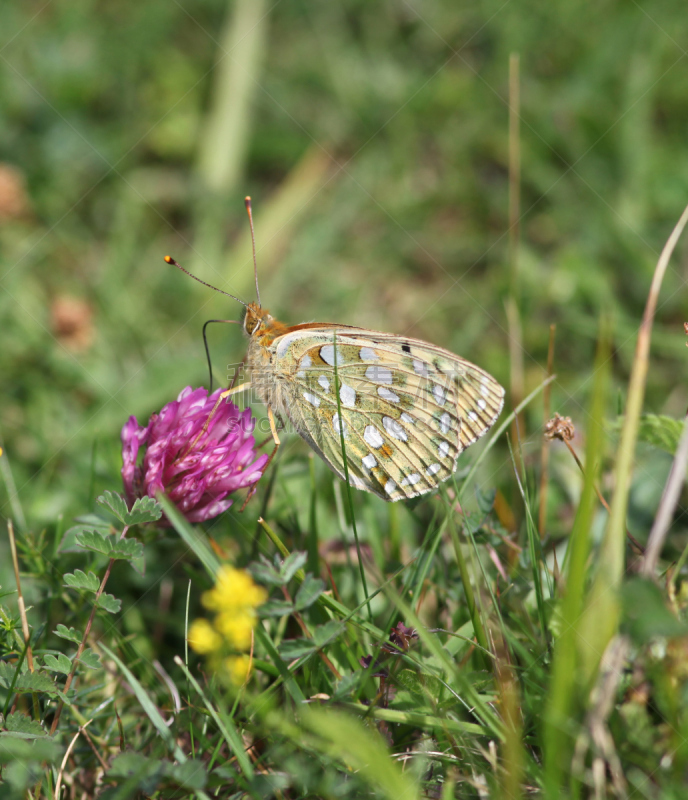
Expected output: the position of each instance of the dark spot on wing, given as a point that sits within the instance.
(406, 348)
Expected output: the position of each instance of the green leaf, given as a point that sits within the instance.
(44, 749)
(349, 685)
(7, 673)
(145, 509)
(128, 763)
(293, 562)
(20, 723)
(645, 613)
(35, 682)
(264, 572)
(59, 664)
(189, 775)
(71, 634)
(419, 683)
(90, 659)
(149, 772)
(109, 603)
(85, 522)
(309, 591)
(324, 634)
(290, 649)
(115, 503)
(137, 772)
(110, 546)
(20, 774)
(127, 549)
(657, 430)
(80, 580)
(96, 541)
(276, 608)
(485, 500)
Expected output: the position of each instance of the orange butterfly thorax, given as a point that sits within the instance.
(261, 325)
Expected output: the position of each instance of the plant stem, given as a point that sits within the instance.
(468, 591)
(82, 645)
(544, 451)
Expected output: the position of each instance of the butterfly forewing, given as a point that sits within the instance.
(407, 408)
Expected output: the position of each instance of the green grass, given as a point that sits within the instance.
(374, 140)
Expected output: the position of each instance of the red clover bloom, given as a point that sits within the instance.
(198, 469)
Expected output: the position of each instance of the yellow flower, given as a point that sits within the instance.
(203, 638)
(236, 627)
(237, 667)
(234, 589)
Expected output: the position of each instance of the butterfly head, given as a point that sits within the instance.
(257, 319)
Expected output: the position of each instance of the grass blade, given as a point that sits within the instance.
(565, 668)
(229, 732)
(602, 614)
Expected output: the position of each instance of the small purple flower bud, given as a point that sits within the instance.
(198, 460)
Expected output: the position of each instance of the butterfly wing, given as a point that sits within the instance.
(407, 408)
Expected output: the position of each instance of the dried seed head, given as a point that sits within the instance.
(560, 428)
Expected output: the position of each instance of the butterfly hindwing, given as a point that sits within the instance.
(407, 408)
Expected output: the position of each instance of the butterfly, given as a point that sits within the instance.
(399, 410)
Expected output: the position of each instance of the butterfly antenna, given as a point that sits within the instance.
(247, 202)
(174, 263)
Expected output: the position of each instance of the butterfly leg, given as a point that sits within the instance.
(234, 390)
(222, 396)
(273, 429)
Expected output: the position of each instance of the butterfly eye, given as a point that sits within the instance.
(251, 322)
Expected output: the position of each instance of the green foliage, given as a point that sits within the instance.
(145, 509)
(90, 659)
(646, 615)
(109, 603)
(420, 684)
(149, 775)
(660, 431)
(80, 580)
(58, 663)
(278, 572)
(35, 682)
(70, 634)
(110, 546)
(115, 503)
(309, 591)
(20, 724)
(322, 635)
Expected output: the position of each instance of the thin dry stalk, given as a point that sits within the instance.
(612, 546)
(58, 783)
(20, 596)
(544, 452)
(667, 505)
(516, 377)
(514, 167)
(510, 705)
(597, 734)
(564, 433)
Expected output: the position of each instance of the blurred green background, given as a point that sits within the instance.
(373, 138)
